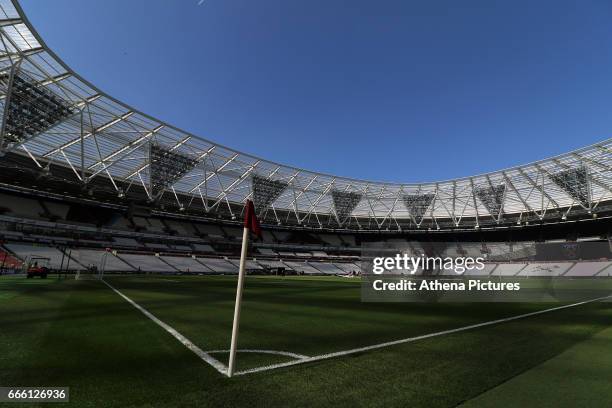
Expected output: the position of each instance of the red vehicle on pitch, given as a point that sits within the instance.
(39, 270)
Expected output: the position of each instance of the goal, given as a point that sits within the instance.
(93, 272)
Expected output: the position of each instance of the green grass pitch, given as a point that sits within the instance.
(83, 335)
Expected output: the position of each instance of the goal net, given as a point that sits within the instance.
(93, 264)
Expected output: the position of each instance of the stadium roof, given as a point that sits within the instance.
(52, 115)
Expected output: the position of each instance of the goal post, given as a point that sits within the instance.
(93, 270)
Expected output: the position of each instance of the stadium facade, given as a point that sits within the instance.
(80, 168)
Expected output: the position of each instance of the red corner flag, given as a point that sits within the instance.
(250, 225)
(250, 219)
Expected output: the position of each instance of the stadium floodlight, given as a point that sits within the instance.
(575, 183)
(492, 197)
(32, 108)
(265, 192)
(166, 167)
(344, 204)
(417, 205)
(43, 173)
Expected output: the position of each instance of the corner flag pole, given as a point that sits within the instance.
(250, 224)
(232, 358)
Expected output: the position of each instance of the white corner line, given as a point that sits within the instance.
(412, 339)
(219, 366)
(258, 351)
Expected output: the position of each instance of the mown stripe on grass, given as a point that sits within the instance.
(412, 339)
(184, 340)
(579, 376)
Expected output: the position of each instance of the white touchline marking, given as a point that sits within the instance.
(280, 353)
(411, 339)
(219, 366)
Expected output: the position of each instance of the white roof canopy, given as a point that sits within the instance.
(52, 114)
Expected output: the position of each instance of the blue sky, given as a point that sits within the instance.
(387, 90)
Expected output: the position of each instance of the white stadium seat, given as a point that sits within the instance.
(55, 256)
(186, 264)
(146, 263)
